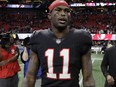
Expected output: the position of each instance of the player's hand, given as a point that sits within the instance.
(110, 80)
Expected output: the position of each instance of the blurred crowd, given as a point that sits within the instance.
(28, 20)
(97, 22)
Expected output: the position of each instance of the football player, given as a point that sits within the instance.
(60, 51)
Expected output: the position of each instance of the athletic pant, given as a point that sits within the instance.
(10, 81)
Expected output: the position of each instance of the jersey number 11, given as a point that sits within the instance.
(64, 53)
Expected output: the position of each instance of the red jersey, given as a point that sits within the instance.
(11, 68)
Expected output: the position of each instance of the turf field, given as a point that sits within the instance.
(96, 60)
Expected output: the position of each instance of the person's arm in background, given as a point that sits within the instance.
(14, 58)
(26, 51)
(88, 80)
(30, 78)
(24, 55)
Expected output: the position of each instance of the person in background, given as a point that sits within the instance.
(108, 66)
(109, 44)
(25, 57)
(9, 66)
(61, 51)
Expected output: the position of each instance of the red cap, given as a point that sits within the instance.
(57, 3)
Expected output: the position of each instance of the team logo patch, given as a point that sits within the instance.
(58, 41)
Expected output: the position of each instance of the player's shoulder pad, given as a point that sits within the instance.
(82, 32)
(34, 36)
(37, 32)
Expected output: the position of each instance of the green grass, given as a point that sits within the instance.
(98, 76)
(99, 56)
(99, 79)
(21, 75)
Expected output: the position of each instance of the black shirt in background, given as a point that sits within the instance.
(108, 65)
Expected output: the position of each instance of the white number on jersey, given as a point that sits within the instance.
(64, 54)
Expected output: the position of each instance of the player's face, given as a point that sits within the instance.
(11, 40)
(60, 17)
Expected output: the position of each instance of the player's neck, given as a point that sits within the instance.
(59, 34)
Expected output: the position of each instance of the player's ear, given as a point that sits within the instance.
(49, 16)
